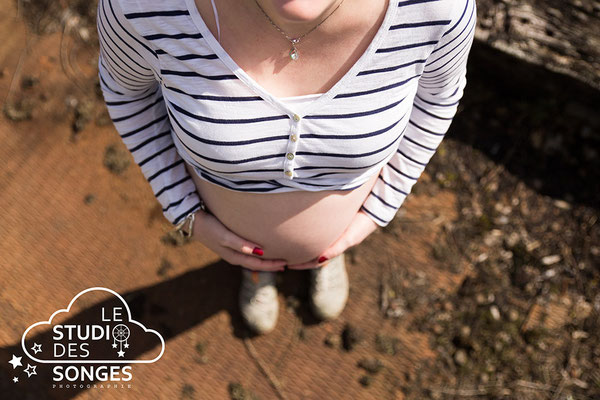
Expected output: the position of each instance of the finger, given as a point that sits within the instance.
(254, 263)
(234, 242)
(337, 248)
(307, 265)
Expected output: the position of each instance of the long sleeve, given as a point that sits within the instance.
(128, 79)
(436, 101)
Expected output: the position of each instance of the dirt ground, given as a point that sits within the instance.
(484, 286)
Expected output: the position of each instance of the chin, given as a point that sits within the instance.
(301, 10)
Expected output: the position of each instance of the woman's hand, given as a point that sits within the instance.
(360, 227)
(232, 248)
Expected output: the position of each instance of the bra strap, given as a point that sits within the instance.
(216, 19)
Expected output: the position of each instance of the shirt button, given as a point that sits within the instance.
(289, 173)
(290, 156)
(293, 137)
(296, 117)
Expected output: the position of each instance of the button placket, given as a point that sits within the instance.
(292, 145)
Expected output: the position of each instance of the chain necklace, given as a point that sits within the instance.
(294, 41)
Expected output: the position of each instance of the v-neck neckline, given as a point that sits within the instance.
(261, 91)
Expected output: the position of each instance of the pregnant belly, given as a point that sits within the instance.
(296, 226)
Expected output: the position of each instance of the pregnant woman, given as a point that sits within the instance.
(282, 132)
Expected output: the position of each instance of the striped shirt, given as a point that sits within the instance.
(176, 96)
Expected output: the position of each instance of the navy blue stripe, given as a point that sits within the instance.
(389, 69)
(120, 103)
(410, 121)
(108, 86)
(346, 155)
(149, 158)
(410, 158)
(420, 24)
(128, 79)
(240, 161)
(211, 179)
(393, 187)
(185, 213)
(178, 202)
(418, 144)
(172, 185)
(373, 215)
(157, 101)
(412, 2)
(149, 14)
(400, 172)
(196, 74)
(227, 143)
(160, 171)
(431, 114)
(158, 36)
(358, 136)
(406, 46)
(185, 57)
(215, 98)
(149, 124)
(228, 121)
(130, 35)
(458, 22)
(447, 62)
(383, 201)
(101, 20)
(149, 140)
(436, 104)
(380, 89)
(356, 114)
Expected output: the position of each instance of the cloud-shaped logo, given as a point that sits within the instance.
(103, 330)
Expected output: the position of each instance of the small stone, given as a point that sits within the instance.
(495, 312)
(563, 205)
(89, 198)
(165, 266)
(332, 340)
(437, 329)
(351, 336)
(460, 357)
(292, 302)
(549, 260)
(465, 331)
(366, 380)
(116, 159)
(386, 344)
(371, 365)
(513, 315)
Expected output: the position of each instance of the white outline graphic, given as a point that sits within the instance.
(49, 322)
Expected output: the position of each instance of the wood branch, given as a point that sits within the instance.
(561, 35)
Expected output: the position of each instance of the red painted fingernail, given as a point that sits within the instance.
(258, 250)
(323, 259)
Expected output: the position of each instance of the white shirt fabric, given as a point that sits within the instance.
(175, 96)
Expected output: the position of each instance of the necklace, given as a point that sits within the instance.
(294, 55)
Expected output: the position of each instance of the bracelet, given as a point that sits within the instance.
(185, 226)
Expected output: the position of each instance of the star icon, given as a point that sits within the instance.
(37, 348)
(114, 345)
(16, 361)
(126, 345)
(30, 370)
(121, 353)
(15, 379)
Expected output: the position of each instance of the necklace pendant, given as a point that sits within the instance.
(294, 54)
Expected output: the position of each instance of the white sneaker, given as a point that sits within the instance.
(258, 300)
(329, 288)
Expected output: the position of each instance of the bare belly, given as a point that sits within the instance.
(296, 226)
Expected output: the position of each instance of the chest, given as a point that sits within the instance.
(262, 51)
